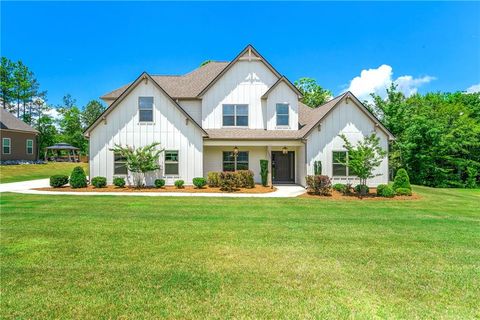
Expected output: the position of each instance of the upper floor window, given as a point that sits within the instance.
(145, 109)
(6, 146)
(235, 115)
(282, 114)
(171, 162)
(29, 146)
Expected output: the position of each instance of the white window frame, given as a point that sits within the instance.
(153, 110)
(235, 115)
(26, 146)
(165, 162)
(9, 146)
(282, 126)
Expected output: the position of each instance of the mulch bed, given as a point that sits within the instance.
(188, 189)
(371, 196)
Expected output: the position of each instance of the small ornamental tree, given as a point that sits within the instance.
(364, 158)
(401, 180)
(317, 167)
(264, 171)
(140, 160)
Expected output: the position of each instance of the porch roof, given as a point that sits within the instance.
(252, 134)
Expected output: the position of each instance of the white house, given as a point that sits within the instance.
(229, 116)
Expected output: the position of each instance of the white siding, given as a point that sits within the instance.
(355, 124)
(193, 108)
(169, 128)
(282, 94)
(244, 83)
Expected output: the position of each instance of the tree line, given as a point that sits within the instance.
(21, 95)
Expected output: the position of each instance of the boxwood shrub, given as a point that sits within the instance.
(403, 192)
(386, 191)
(99, 182)
(179, 184)
(401, 180)
(199, 182)
(78, 178)
(58, 180)
(159, 183)
(119, 182)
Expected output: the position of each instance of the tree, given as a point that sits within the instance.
(205, 62)
(91, 112)
(364, 157)
(6, 82)
(313, 94)
(140, 160)
(47, 135)
(71, 130)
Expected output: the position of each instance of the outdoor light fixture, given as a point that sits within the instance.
(284, 150)
(235, 150)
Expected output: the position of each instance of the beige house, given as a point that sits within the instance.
(18, 139)
(228, 116)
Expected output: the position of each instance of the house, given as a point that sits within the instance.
(228, 116)
(18, 139)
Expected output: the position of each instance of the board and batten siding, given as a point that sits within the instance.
(282, 94)
(244, 83)
(193, 108)
(350, 120)
(169, 127)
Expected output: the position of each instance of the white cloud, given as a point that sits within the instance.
(379, 79)
(52, 112)
(474, 88)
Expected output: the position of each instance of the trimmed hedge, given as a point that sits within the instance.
(78, 178)
(199, 182)
(319, 185)
(403, 192)
(119, 182)
(58, 180)
(213, 179)
(159, 183)
(228, 181)
(386, 191)
(245, 179)
(401, 180)
(99, 182)
(179, 184)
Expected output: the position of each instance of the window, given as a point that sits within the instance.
(340, 164)
(6, 146)
(119, 164)
(171, 162)
(232, 164)
(235, 115)
(145, 109)
(282, 115)
(29, 146)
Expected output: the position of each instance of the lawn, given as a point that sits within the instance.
(143, 257)
(24, 172)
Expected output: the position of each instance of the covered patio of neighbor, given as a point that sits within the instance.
(62, 152)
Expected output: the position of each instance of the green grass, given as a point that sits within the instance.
(24, 172)
(143, 257)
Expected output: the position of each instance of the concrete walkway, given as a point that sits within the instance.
(284, 191)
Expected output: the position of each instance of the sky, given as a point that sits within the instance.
(87, 49)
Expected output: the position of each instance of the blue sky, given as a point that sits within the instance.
(89, 48)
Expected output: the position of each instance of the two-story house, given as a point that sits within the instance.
(228, 116)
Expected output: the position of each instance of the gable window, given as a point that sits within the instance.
(235, 115)
(171, 162)
(119, 164)
(340, 164)
(232, 163)
(6, 146)
(282, 114)
(29, 146)
(145, 109)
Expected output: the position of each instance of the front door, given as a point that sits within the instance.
(283, 167)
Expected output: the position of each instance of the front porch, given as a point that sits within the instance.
(286, 158)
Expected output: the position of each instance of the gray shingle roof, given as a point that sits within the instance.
(10, 122)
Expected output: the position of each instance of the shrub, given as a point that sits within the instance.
(99, 182)
(228, 181)
(264, 172)
(159, 183)
(317, 167)
(320, 185)
(78, 178)
(58, 180)
(179, 184)
(403, 192)
(213, 178)
(362, 189)
(199, 182)
(119, 182)
(245, 179)
(340, 187)
(386, 191)
(401, 180)
(471, 181)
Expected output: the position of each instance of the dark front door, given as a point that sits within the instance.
(283, 167)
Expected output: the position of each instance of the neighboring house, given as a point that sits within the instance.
(226, 116)
(18, 139)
